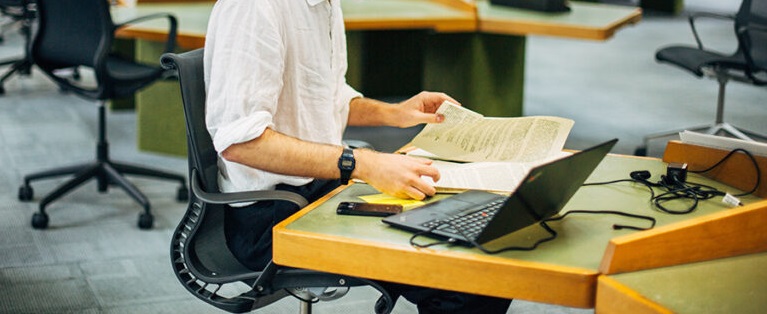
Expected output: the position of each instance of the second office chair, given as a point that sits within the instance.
(79, 33)
(748, 64)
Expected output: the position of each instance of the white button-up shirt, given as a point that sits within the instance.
(279, 64)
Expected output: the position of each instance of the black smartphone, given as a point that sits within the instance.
(368, 209)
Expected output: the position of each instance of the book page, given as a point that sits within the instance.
(467, 136)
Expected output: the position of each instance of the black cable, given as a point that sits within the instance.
(753, 161)
(678, 190)
(552, 233)
(646, 183)
(613, 212)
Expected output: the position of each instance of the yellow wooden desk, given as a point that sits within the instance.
(563, 271)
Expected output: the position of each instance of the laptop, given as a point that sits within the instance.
(480, 216)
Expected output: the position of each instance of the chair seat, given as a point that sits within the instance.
(129, 76)
(694, 59)
(126, 71)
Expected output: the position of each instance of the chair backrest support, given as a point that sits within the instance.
(751, 28)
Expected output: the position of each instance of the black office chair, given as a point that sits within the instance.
(199, 254)
(23, 13)
(79, 33)
(748, 64)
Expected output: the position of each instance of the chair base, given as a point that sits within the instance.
(716, 129)
(22, 67)
(106, 173)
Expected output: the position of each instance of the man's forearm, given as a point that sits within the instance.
(370, 112)
(279, 153)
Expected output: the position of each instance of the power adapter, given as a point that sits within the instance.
(676, 172)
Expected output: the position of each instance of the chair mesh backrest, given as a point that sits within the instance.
(753, 14)
(72, 33)
(208, 250)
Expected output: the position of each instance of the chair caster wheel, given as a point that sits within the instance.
(182, 195)
(40, 221)
(25, 193)
(145, 221)
(640, 151)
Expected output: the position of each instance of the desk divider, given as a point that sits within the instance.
(737, 171)
(466, 5)
(615, 297)
(730, 233)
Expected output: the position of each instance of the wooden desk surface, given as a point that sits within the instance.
(563, 271)
(358, 15)
(192, 22)
(585, 20)
(407, 14)
(729, 285)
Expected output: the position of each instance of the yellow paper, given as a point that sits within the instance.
(391, 200)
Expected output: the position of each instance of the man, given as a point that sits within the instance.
(277, 106)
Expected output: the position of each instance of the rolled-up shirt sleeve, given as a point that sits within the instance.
(347, 93)
(240, 70)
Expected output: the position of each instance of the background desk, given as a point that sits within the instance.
(710, 264)
(563, 271)
(396, 48)
(485, 70)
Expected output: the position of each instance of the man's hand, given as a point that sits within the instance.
(394, 174)
(421, 108)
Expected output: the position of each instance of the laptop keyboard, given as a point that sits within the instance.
(470, 224)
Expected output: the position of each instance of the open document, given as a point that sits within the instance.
(468, 136)
(475, 152)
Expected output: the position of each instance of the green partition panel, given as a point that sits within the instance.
(385, 63)
(485, 72)
(159, 110)
(126, 48)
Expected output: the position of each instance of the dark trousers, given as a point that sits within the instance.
(249, 237)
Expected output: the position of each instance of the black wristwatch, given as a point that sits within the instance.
(346, 164)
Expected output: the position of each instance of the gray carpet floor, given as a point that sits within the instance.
(93, 258)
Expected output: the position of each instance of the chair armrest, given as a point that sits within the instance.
(170, 43)
(241, 197)
(694, 16)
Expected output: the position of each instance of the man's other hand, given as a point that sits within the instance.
(421, 108)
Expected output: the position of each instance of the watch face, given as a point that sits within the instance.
(346, 164)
